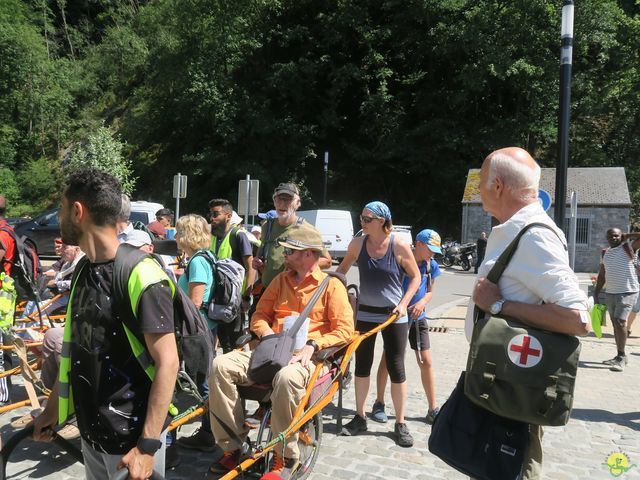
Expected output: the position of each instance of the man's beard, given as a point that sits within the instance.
(70, 233)
(286, 216)
(218, 229)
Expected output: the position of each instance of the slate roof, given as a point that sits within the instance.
(595, 186)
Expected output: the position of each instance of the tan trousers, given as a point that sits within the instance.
(229, 370)
(532, 466)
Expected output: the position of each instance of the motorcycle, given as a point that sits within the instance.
(462, 255)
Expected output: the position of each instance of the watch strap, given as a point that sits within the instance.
(149, 445)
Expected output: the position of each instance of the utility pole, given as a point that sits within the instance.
(326, 173)
(566, 54)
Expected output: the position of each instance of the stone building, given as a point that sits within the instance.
(603, 202)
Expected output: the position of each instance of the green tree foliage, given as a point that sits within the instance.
(406, 95)
(103, 151)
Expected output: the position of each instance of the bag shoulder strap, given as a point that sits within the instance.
(504, 259)
(292, 332)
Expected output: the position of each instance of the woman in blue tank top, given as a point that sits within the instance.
(383, 262)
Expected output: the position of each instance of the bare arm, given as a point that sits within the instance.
(599, 283)
(196, 293)
(547, 316)
(407, 261)
(634, 238)
(163, 350)
(353, 250)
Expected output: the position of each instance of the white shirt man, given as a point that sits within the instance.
(538, 288)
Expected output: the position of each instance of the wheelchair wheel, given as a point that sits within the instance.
(309, 439)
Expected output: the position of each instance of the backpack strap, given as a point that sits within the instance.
(210, 257)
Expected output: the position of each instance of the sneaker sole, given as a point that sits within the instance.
(347, 433)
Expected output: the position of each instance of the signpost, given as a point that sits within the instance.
(248, 196)
(573, 227)
(545, 199)
(179, 191)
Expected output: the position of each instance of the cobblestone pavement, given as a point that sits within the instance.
(605, 419)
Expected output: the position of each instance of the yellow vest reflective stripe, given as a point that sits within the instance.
(225, 246)
(7, 300)
(145, 273)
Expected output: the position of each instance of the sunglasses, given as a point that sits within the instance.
(366, 219)
(216, 214)
(289, 251)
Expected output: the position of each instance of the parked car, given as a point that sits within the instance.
(45, 228)
(336, 227)
(41, 232)
(144, 212)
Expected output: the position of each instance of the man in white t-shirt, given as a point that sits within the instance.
(618, 268)
(538, 287)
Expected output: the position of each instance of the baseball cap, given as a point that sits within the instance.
(268, 215)
(287, 188)
(256, 228)
(138, 238)
(303, 236)
(431, 238)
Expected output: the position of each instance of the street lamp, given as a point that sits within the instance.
(566, 53)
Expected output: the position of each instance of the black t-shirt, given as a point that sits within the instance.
(110, 388)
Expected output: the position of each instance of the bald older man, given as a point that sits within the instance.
(538, 287)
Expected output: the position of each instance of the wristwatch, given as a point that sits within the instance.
(496, 308)
(149, 445)
(313, 344)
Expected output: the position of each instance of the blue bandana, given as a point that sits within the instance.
(379, 209)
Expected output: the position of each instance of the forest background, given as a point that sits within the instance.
(406, 95)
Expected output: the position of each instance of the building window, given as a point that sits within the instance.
(583, 229)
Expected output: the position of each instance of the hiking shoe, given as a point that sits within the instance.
(69, 432)
(403, 437)
(355, 426)
(432, 414)
(616, 360)
(254, 420)
(171, 457)
(228, 462)
(283, 468)
(200, 440)
(619, 365)
(377, 413)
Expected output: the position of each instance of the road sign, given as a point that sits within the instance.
(179, 186)
(545, 199)
(248, 189)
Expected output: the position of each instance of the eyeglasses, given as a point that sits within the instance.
(216, 213)
(289, 251)
(366, 219)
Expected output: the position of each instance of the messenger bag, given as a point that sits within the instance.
(274, 352)
(518, 371)
(477, 442)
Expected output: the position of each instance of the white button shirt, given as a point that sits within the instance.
(539, 271)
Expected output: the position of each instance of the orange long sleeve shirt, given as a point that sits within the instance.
(330, 320)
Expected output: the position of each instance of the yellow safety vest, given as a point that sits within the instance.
(146, 273)
(7, 300)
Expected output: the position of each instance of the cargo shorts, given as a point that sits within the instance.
(619, 305)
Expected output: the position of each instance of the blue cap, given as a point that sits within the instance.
(268, 215)
(431, 238)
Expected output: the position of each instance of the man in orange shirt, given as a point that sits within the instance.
(330, 323)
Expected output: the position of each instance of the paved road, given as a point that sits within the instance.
(605, 419)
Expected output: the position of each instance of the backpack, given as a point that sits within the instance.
(224, 303)
(25, 267)
(142, 227)
(193, 337)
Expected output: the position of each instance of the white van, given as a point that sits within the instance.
(144, 212)
(336, 227)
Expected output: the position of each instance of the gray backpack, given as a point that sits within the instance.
(224, 303)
